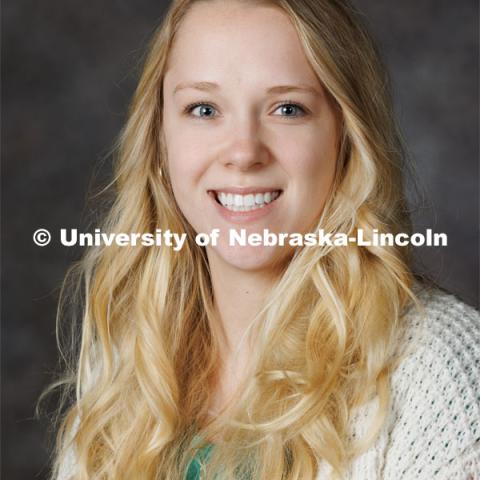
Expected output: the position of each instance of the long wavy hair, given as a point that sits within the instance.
(143, 357)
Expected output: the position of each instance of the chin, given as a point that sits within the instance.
(250, 258)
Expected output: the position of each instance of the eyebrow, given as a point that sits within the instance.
(209, 86)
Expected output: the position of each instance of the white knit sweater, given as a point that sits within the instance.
(433, 430)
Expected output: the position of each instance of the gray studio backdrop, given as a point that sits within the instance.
(69, 68)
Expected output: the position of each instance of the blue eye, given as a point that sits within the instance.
(292, 107)
(206, 110)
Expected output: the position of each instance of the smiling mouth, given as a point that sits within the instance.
(243, 203)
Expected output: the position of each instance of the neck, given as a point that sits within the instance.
(238, 297)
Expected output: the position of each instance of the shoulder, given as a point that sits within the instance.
(441, 341)
(445, 329)
(435, 427)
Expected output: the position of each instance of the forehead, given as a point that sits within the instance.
(227, 40)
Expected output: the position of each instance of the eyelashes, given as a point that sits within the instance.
(286, 103)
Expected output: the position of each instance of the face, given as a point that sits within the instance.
(251, 136)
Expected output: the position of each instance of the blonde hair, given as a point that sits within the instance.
(324, 344)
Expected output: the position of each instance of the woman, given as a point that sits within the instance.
(266, 362)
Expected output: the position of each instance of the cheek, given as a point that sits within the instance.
(310, 163)
(185, 164)
(182, 167)
(186, 170)
(311, 160)
(185, 154)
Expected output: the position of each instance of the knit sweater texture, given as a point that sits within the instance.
(432, 431)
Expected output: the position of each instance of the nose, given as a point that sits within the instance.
(246, 149)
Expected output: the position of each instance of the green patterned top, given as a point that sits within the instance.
(194, 468)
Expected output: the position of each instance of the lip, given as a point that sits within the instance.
(243, 217)
(244, 190)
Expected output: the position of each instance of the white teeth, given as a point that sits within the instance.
(251, 201)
